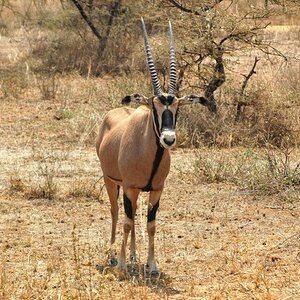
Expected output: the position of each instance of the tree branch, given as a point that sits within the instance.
(242, 34)
(87, 19)
(241, 103)
(114, 12)
(181, 76)
(183, 8)
(247, 77)
(218, 78)
(204, 8)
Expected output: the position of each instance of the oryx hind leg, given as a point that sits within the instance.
(113, 194)
(133, 256)
(151, 228)
(130, 197)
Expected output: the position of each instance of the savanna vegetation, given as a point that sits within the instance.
(229, 219)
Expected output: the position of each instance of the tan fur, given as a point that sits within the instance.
(127, 144)
(126, 138)
(129, 148)
(126, 147)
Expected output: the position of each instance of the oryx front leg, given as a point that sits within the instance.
(152, 209)
(130, 199)
(113, 194)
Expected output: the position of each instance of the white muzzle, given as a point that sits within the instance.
(168, 138)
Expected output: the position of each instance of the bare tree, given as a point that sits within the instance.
(215, 32)
(240, 99)
(85, 8)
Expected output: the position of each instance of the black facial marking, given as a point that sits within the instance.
(169, 100)
(152, 212)
(176, 115)
(156, 119)
(162, 99)
(126, 100)
(166, 100)
(127, 207)
(167, 120)
(203, 101)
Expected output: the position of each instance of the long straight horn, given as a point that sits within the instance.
(154, 78)
(173, 84)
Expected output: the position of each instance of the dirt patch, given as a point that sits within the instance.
(213, 241)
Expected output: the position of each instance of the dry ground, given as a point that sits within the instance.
(214, 241)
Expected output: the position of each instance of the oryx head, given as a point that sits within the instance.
(164, 106)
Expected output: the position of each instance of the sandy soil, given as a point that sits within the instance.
(213, 241)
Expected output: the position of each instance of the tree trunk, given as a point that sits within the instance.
(87, 19)
(115, 11)
(217, 80)
(241, 103)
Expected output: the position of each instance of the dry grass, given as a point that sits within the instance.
(216, 243)
(85, 188)
(228, 226)
(269, 172)
(223, 239)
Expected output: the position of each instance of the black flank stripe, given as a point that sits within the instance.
(158, 156)
(115, 179)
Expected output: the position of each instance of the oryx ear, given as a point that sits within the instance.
(135, 98)
(191, 99)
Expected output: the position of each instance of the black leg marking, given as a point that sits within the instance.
(152, 212)
(118, 192)
(127, 207)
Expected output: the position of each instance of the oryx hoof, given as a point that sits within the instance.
(121, 265)
(133, 259)
(112, 262)
(154, 274)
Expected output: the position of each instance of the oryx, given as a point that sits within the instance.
(133, 148)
